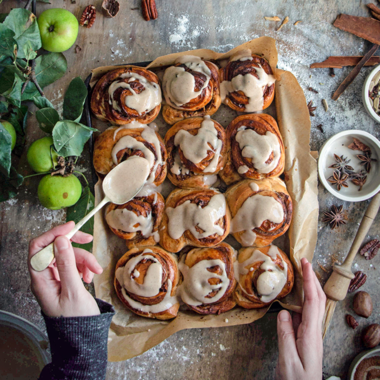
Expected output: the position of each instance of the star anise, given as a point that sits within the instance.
(358, 145)
(311, 108)
(359, 179)
(339, 179)
(341, 164)
(334, 217)
(365, 159)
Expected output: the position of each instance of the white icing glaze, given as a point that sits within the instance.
(253, 212)
(254, 186)
(145, 101)
(243, 169)
(123, 182)
(209, 180)
(196, 147)
(188, 216)
(259, 148)
(178, 85)
(178, 167)
(131, 143)
(271, 282)
(196, 287)
(149, 288)
(251, 86)
(149, 189)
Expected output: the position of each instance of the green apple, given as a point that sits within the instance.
(56, 192)
(41, 155)
(11, 130)
(58, 29)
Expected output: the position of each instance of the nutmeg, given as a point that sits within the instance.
(363, 304)
(371, 335)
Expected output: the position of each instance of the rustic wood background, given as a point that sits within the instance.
(240, 352)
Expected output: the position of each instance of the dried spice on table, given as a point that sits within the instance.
(334, 217)
(357, 282)
(366, 160)
(313, 90)
(358, 145)
(286, 20)
(320, 127)
(311, 108)
(369, 251)
(88, 16)
(359, 179)
(339, 179)
(274, 18)
(341, 164)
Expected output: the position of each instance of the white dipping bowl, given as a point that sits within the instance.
(366, 102)
(338, 144)
(363, 355)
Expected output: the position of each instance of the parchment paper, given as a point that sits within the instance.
(131, 335)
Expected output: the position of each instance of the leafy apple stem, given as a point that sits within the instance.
(35, 175)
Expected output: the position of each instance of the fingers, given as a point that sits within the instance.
(82, 238)
(66, 265)
(88, 260)
(48, 237)
(322, 299)
(286, 339)
(297, 319)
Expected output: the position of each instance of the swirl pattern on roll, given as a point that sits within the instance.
(368, 369)
(191, 89)
(127, 94)
(261, 211)
(146, 282)
(247, 83)
(137, 221)
(114, 146)
(196, 152)
(208, 279)
(255, 149)
(194, 217)
(263, 275)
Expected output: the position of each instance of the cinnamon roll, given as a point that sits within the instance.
(247, 82)
(264, 274)
(208, 279)
(196, 152)
(261, 211)
(128, 94)
(115, 145)
(191, 89)
(146, 282)
(194, 217)
(254, 149)
(137, 221)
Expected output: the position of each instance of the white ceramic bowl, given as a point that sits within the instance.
(363, 355)
(366, 102)
(338, 144)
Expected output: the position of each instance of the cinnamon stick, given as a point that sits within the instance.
(355, 71)
(337, 62)
(364, 27)
(374, 8)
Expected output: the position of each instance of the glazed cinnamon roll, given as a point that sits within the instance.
(194, 217)
(208, 279)
(247, 82)
(254, 149)
(261, 211)
(191, 89)
(264, 274)
(128, 94)
(146, 282)
(137, 221)
(196, 152)
(115, 145)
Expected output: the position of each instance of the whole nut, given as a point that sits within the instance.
(363, 304)
(371, 335)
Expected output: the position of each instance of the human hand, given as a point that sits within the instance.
(300, 343)
(59, 289)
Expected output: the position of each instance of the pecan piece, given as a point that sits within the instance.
(110, 8)
(357, 282)
(88, 16)
(369, 251)
(351, 321)
(149, 9)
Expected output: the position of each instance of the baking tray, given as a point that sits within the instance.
(87, 120)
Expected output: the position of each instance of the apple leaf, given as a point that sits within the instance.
(77, 212)
(41, 102)
(10, 87)
(9, 184)
(18, 118)
(5, 150)
(69, 137)
(49, 68)
(7, 42)
(29, 52)
(47, 118)
(24, 25)
(3, 107)
(3, 16)
(74, 100)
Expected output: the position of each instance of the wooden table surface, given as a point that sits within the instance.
(240, 352)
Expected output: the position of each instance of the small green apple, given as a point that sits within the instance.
(41, 155)
(11, 130)
(58, 29)
(56, 192)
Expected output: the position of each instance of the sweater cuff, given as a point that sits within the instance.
(80, 343)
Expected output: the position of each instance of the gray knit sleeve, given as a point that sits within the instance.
(78, 346)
